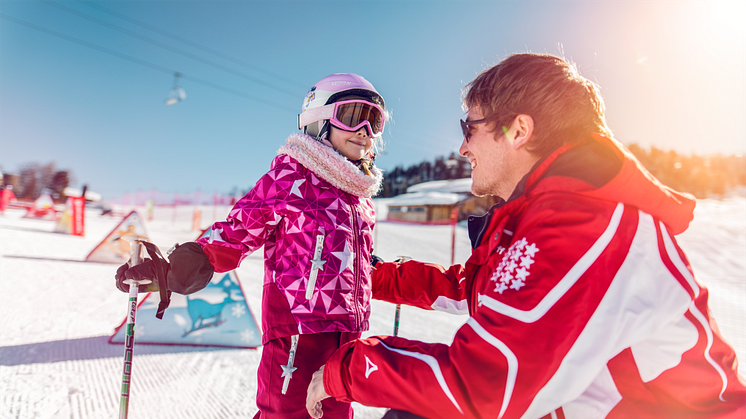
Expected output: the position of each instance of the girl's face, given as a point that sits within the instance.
(353, 145)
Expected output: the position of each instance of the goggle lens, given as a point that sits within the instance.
(353, 115)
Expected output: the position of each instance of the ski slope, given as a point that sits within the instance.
(57, 313)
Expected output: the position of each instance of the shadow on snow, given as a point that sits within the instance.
(97, 347)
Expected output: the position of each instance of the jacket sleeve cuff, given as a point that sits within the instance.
(336, 372)
(222, 257)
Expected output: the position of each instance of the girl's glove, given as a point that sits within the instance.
(148, 269)
(155, 269)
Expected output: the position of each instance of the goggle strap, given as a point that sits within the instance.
(316, 114)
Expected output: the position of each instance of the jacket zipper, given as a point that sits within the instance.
(473, 300)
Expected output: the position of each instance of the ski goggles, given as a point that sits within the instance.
(347, 115)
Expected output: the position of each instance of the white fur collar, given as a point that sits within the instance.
(331, 166)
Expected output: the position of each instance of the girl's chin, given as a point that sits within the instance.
(353, 156)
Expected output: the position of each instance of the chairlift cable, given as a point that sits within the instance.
(171, 48)
(190, 43)
(146, 63)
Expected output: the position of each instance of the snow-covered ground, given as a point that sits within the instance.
(57, 313)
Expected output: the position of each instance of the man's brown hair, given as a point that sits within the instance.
(565, 106)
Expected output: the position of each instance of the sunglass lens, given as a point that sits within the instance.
(465, 130)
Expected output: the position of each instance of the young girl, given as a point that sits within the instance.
(314, 216)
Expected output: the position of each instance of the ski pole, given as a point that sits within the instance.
(396, 320)
(397, 314)
(129, 340)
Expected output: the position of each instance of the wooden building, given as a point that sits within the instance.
(434, 202)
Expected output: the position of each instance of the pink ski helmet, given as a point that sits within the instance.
(329, 90)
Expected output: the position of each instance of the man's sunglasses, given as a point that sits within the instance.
(465, 127)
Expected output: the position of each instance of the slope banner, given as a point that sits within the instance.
(113, 250)
(72, 220)
(216, 316)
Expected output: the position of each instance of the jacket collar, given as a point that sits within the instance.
(331, 166)
(477, 224)
(601, 168)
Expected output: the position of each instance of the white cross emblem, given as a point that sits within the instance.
(513, 270)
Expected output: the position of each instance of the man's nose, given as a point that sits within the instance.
(464, 148)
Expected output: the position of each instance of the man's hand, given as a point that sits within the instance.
(374, 260)
(316, 394)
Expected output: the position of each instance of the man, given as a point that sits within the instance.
(582, 304)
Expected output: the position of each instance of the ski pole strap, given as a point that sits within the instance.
(163, 304)
(161, 277)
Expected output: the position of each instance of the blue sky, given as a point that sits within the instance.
(83, 83)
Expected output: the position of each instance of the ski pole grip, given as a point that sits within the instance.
(135, 257)
(135, 253)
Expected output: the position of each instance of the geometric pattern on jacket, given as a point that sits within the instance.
(287, 211)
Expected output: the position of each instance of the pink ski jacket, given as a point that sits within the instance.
(314, 216)
(581, 305)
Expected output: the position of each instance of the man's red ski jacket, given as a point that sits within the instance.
(581, 305)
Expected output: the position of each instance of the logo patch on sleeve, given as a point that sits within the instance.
(514, 269)
(369, 367)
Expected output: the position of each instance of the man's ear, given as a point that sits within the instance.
(521, 130)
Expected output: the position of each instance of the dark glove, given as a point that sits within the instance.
(191, 270)
(148, 269)
(374, 260)
(155, 269)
